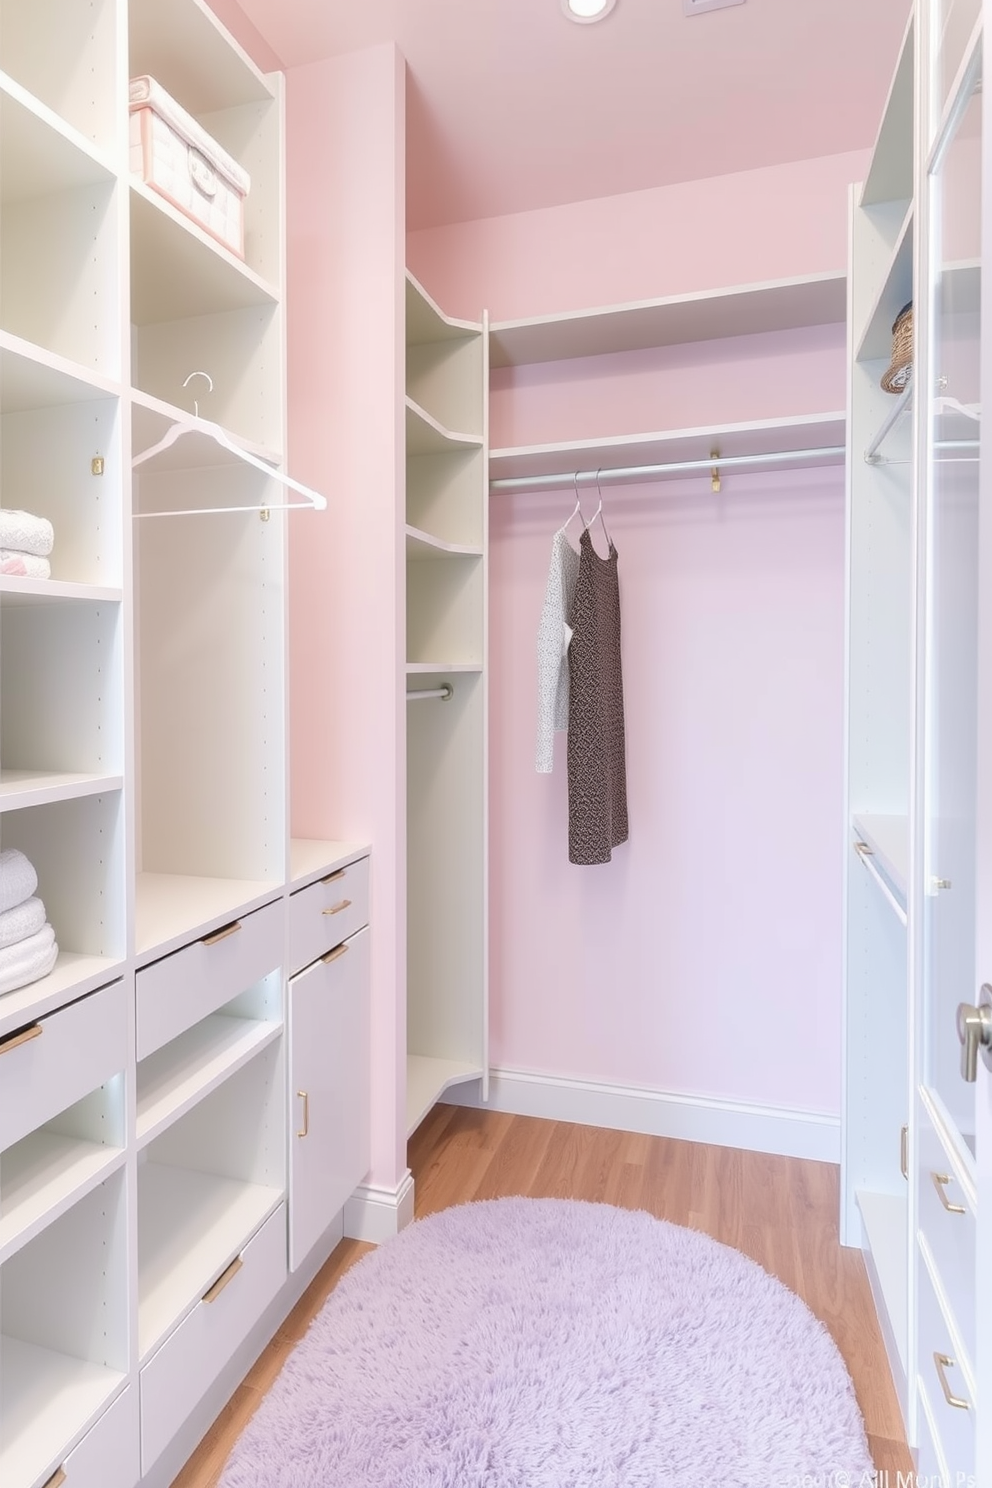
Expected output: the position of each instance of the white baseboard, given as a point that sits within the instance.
(377, 1214)
(789, 1133)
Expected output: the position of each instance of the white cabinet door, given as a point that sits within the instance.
(330, 1060)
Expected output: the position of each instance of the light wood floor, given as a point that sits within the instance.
(780, 1211)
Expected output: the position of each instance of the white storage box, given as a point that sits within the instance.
(178, 158)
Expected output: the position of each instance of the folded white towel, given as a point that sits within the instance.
(24, 565)
(26, 533)
(145, 92)
(28, 961)
(23, 920)
(18, 879)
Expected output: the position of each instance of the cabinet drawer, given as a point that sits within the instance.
(108, 1455)
(327, 912)
(59, 1059)
(949, 1233)
(177, 1377)
(940, 1364)
(176, 992)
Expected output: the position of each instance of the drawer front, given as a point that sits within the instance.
(939, 1365)
(930, 1466)
(176, 1378)
(108, 1455)
(327, 912)
(949, 1233)
(59, 1059)
(176, 992)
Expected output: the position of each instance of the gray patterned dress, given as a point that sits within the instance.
(597, 779)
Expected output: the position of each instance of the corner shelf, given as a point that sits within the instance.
(426, 322)
(422, 546)
(890, 177)
(425, 436)
(888, 838)
(895, 292)
(428, 1079)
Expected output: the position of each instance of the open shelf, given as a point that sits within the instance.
(20, 591)
(41, 155)
(178, 271)
(175, 1077)
(73, 975)
(32, 377)
(774, 436)
(888, 838)
(183, 47)
(778, 305)
(190, 1226)
(421, 546)
(426, 322)
(428, 1079)
(172, 909)
(42, 1175)
(890, 177)
(895, 292)
(884, 1221)
(425, 436)
(312, 858)
(47, 1397)
(423, 668)
(22, 788)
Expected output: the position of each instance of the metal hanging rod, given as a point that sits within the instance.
(418, 694)
(641, 472)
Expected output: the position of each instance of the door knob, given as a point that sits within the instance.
(975, 1032)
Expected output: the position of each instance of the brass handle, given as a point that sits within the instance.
(304, 1097)
(943, 1362)
(57, 1479)
(224, 1279)
(863, 850)
(333, 955)
(15, 1040)
(940, 1182)
(975, 1032)
(904, 1151)
(333, 877)
(337, 908)
(222, 933)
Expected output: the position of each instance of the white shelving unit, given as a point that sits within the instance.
(875, 1193)
(446, 541)
(144, 1084)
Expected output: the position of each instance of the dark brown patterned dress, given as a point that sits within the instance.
(597, 779)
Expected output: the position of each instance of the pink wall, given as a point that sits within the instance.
(706, 959)
(346, 437)
(765, 224)
(246, 33)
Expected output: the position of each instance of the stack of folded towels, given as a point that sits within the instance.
(27, 942)
(25, 543)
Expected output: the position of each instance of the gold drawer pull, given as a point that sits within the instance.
(305, 1098)
(335, 877)
(334, 955)
(904, 1151)
(337, 908)
(57, 1479)
(222, 933)
(224, 1279)
(940, 1182)
(943, 1362)
(14, 1041)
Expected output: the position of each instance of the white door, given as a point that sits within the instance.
(954, 825)
(330, 1063)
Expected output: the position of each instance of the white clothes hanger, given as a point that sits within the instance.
(576, 510)
(599, 513)
(314, 501)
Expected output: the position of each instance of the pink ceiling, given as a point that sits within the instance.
(512, 107)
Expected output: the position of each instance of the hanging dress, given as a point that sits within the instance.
(553, 636)
(597, 779)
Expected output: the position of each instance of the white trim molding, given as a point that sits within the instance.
(657, 1113)
(377, 1214)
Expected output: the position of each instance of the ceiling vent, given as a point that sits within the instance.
(693, 7)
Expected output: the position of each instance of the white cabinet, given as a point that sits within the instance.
(330, 1071)
(918, 1122)
(446, 576)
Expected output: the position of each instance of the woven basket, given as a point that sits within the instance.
(900, 369)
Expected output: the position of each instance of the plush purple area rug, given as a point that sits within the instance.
(546, 1343)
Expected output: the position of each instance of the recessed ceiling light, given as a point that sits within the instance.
(586, 11)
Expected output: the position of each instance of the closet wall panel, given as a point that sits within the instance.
(705, 959)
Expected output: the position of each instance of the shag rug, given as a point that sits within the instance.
(547, 1343)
